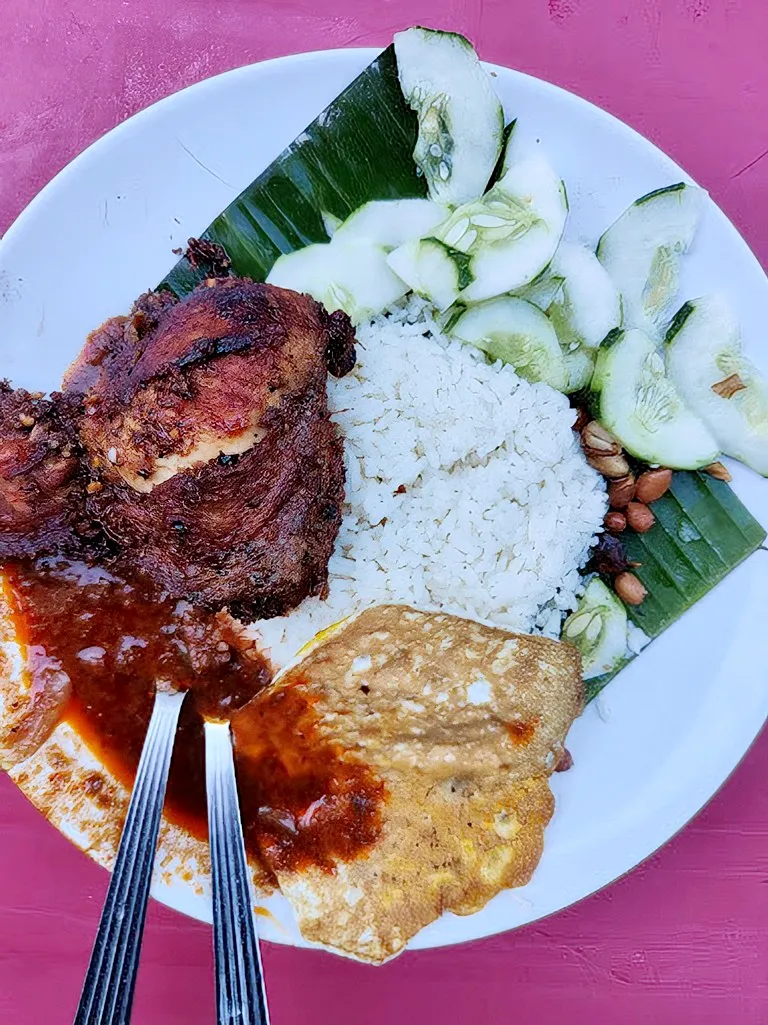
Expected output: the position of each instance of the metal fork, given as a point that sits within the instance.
(107, 993)
(240, 994)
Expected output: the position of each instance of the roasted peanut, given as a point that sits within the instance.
(615, 521)
(610, 466)
(621, 491)
(718, 471)
(630, 589)
(565, 761)
(652, 484)
(639, 517)
(729, 386)
(597, 439)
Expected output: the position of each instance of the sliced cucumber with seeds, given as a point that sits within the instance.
(587, 305)
(432, 269)
(391, 222)
(717, 381)
(511, 233)
(516, 332)
(349, 276)
(461, 121)
(598, 628)
(642, 250)
(643, 408)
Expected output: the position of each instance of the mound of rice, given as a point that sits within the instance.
(466, 488)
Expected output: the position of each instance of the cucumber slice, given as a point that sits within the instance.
(579, 365)
(543, 291)
(349, 276)
(642, 249)
(598, 628)
(516, 332)
(705, 361)
(511, 233)
(391, 222)
(460, 117)
(642, 407)
(432, 269)
(587, 306)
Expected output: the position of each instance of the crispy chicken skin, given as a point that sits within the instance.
(42, 487)
(214, 465)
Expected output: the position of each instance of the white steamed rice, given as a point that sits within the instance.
(466, 488)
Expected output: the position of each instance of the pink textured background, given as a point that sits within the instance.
(685, 938)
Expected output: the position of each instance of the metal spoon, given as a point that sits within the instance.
(240, 994)
(107, 993)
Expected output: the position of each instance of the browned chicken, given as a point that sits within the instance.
(42, 486)
(213, 463)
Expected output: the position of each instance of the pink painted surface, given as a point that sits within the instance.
(684, 939)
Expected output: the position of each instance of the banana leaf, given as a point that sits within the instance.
(360, 148)
(702, 532)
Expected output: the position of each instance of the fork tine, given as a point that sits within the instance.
(109, 983)
(240, 993)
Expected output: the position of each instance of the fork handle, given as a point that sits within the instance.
(240, 995)
(107, 993)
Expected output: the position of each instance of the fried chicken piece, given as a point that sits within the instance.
(206, 426)
(42, 489)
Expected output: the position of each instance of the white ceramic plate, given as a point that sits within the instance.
(685, 712)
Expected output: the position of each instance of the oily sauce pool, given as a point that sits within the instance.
(303, 802)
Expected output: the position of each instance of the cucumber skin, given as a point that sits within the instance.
(461, 260)
(457, 36)
(677, 187)
(678, 321)
(498, 170)
(463, 264)
(453, 315)
(611, 339)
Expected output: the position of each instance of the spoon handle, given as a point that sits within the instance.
(240, 994)
(107, 993)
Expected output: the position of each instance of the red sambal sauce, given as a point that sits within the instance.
(522, 732)
(302, 801)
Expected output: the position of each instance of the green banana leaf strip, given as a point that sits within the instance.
(702, 532)
(359, 148)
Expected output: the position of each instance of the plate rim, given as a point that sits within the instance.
(95, 149)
